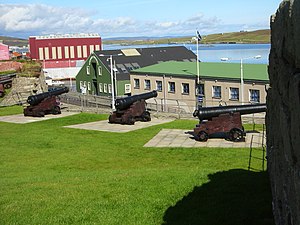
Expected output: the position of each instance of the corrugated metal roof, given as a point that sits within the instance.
(208, 70)
(146, 57)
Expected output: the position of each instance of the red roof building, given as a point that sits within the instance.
(57, 51)
(4, 52)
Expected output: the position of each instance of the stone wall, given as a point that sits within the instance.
(10, 65)
(22, 87)
(283, 113)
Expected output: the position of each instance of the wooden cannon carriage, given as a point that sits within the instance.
(223, 121)
(44, 103)
(131, 109)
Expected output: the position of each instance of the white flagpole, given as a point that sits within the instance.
(198, 70)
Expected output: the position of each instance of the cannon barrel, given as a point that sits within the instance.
(124, 103)
(206, 113)
(36, 99)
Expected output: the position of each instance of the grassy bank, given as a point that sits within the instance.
(55, 175)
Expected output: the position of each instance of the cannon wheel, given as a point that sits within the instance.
(146, 116)
(110, 119)
(56, 110)
(236, 135)
(202, 136)
(39, 114)
(130, 120)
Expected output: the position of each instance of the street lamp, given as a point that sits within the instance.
(242, 72)
(112, 79)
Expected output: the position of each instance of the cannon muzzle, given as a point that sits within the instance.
(36, 99)
(206, 113)
(124, 103)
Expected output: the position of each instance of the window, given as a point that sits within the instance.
(171, 87)
(46, 53)
(159, 85)
(234, 93)
(127, 88)
(105, 88)
(89, 86)
(216, 92)
(91, 48)
(109, 88)
(135, 65)
(88, 70)
(137, 83)
(66, 52)
(100, 87)
(79, 55)
(129, 66)
(53, 52)
(122, 67)
(147, 85)
(254, 95)
(84, 49)
(41, 54)
(185, 88)
(72, 52)
(200, 89)
(59, 53)
(99, 70)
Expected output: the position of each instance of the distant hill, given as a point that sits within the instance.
(258, 36)
(12, 41)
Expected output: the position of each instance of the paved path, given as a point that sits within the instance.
(103, 125)
(185, 138)
(20, 118)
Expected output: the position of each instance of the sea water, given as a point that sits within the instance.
(214, 52)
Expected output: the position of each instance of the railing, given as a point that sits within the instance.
(258, 145)
(175, 107)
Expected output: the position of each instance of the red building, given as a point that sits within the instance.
(57, 51)
(4, 52)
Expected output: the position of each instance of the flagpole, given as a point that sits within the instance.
(198, 71)
(199, 101)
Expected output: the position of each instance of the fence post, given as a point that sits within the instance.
(178, 107)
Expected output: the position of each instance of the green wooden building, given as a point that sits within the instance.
(94, 78)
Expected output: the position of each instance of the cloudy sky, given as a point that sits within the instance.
(131, 18)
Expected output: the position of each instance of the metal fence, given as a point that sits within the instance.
(170, 107)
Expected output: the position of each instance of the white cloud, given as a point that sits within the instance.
(37, 19)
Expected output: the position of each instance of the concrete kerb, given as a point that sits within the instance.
(103, 125)
(184, 138)
(21, 119)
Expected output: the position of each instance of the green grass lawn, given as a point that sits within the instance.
(55, 175)
(5, 111)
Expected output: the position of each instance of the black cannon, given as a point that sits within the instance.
(131, 109)
(44, 103)
(226, 120)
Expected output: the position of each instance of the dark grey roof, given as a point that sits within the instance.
(144, 57)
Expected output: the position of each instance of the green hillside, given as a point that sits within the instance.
(12, 41)
(259, 36)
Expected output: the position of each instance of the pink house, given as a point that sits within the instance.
(4, 52)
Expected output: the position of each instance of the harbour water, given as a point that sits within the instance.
(214, 52)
